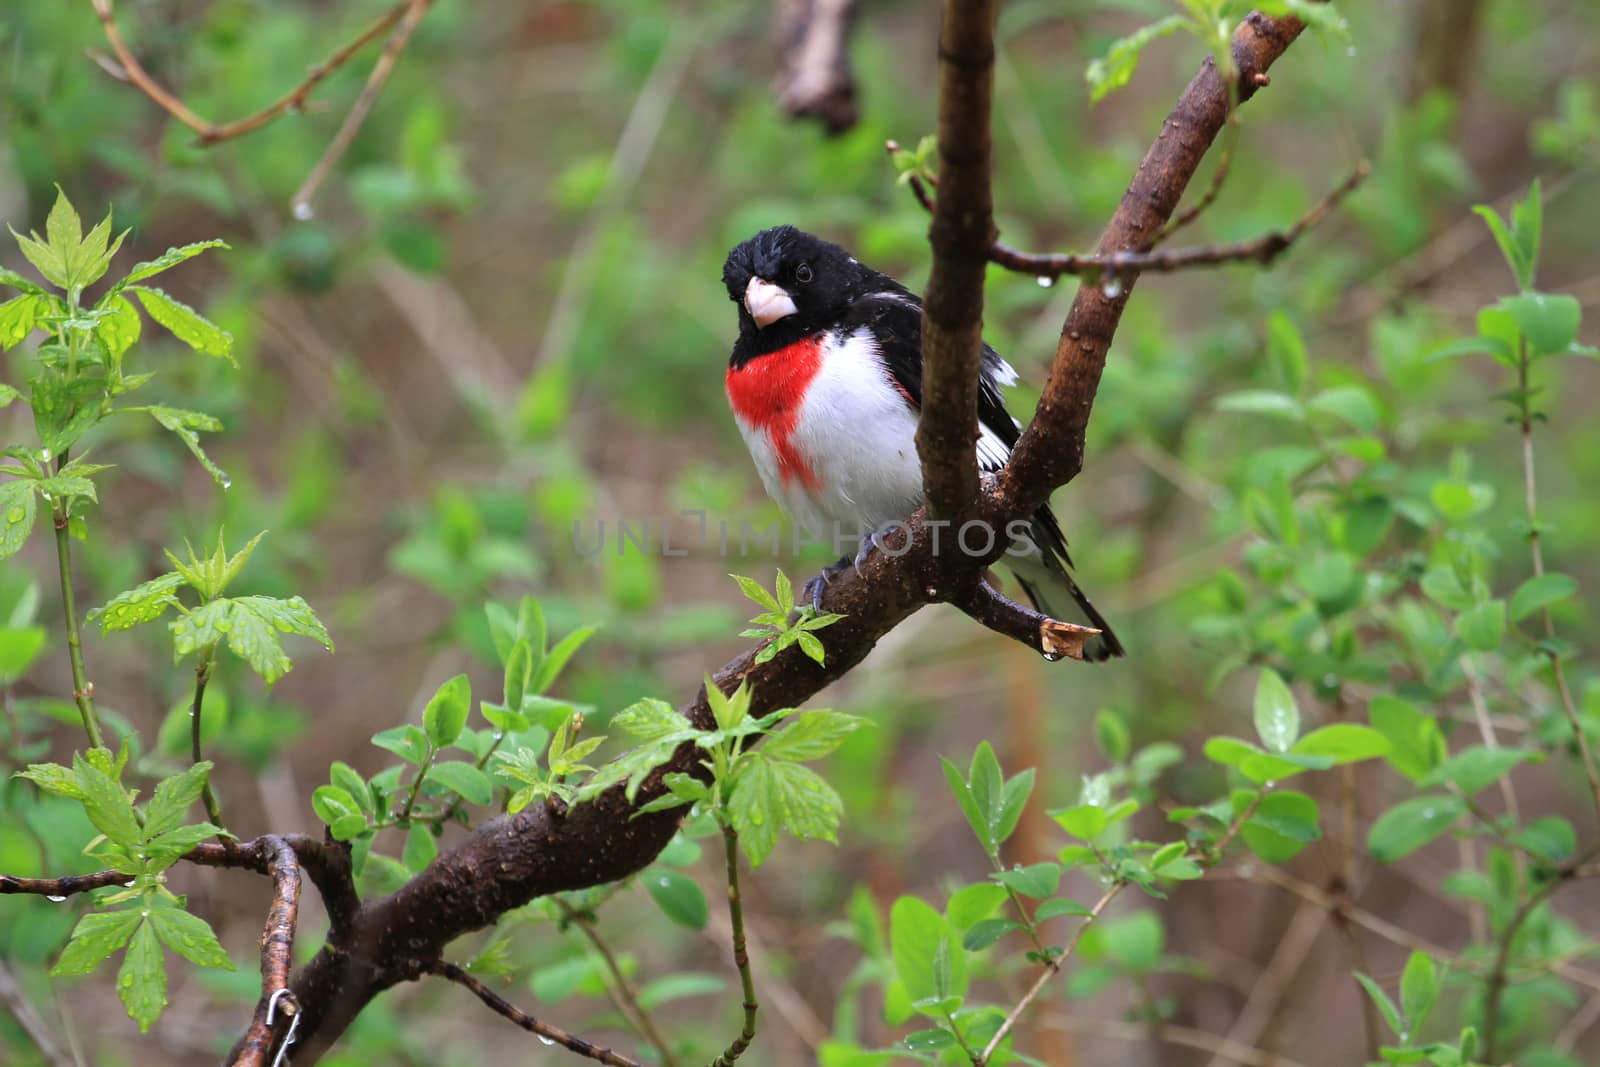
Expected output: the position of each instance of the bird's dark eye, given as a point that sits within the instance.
(802, 273)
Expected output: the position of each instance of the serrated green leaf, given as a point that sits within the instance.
(172, 799)
(184, 424)
(166, 261)
(17, 317)
(756, 592)
(53, 778)
(142, 981)
(185, 323)
(96, 936)
(106, 803)
(190, 937)
(753, 811)
(145, 602)
(120, 327)
(812, 735)
(1115, 69)
(64, 408)
(808, 805)
(650, 719)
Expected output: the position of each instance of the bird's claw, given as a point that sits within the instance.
(869, 542)
(813, 589)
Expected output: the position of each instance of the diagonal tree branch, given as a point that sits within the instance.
(277, 941)
(501, 1006)
(961, 233)
(1050, 453)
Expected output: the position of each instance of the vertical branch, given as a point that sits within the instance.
(1536, 548)
(82, 688)
(741, 954)
(960, 235)
(202, 675)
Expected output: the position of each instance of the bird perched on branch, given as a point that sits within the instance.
(826, 385)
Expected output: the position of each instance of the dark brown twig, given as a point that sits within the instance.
(1051, 638)
(962, 228)
(300, 203)
(61, 888)
(501, 1006)
(277, 942)
(209, 133)
(816, 81)
(625, 996)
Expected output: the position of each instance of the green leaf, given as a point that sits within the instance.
(1038, 880)
(17, 281)
(926, 956)
(145, 602)
(166, 261)
(1419, 988)
(446, 713)
(346, 777)
(172, 798)
(1391, 1014)
(1413, 823)
(1277, 716)
(17, 512)
(1111, 735)
(420, 849)
(1521, 268)
(1540, 592)
(64, 408)
(1283, 823)
(679, 987)
(17, 317)
(519, 668)
(812, 735)
(1351, 404)
(184, 424)
(755, 591)
(1287, 349)
(808, 805)
(62, 228)
(1548, 321)
(106, 803)
(976, 818)
(1345, 742)
(97, 935)
(142, 981)
(53, 778)
(1483, 626)
(1262, 402)
(752, 810)
(1085, 821)
(986, 932)
(185, 323)
(1135, 942)
(408, 742)
(120, 327)
(463, 778)
(651, 720)
(331, 803)
(190, 937)
(552, 664)
(1416, 745)
(1059, 906)
(1549, 837)
(970, 903)
(1013, 798)
(1115, 69)
(677, 896)
(1474, 769)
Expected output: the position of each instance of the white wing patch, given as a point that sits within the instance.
(992, 452)
(1005, 373)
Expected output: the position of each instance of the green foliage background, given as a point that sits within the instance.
(506, 318)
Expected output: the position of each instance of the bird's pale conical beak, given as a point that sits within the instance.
(767, 303)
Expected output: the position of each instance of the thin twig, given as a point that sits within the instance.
(1218, 177)
(627, 997)
(62, 887)
(300, 203)
(741, 954)
(82, 688)
(129, 70)
(1223, 1048)
(202, 675)
(1536, 548)
(1115, 268)
(1052, 968)
(46, 1044)
(1049, 637)
(503, 1007)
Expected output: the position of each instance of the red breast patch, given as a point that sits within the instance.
(767, 392)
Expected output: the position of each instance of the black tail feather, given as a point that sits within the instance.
(1053, 547)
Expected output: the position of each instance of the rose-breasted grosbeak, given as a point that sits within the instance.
(826, 385)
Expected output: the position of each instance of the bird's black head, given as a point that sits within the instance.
(789, 284)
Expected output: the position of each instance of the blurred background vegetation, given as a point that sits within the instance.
(505, 317)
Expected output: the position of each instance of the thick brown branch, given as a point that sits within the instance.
(277, 1012)
(1049, 637)
(962, 229)
(1050, 452)
(504, 1007)
(816, 81)
(209, 133)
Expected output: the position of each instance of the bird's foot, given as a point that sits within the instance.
(812, 590)
(874, 540)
